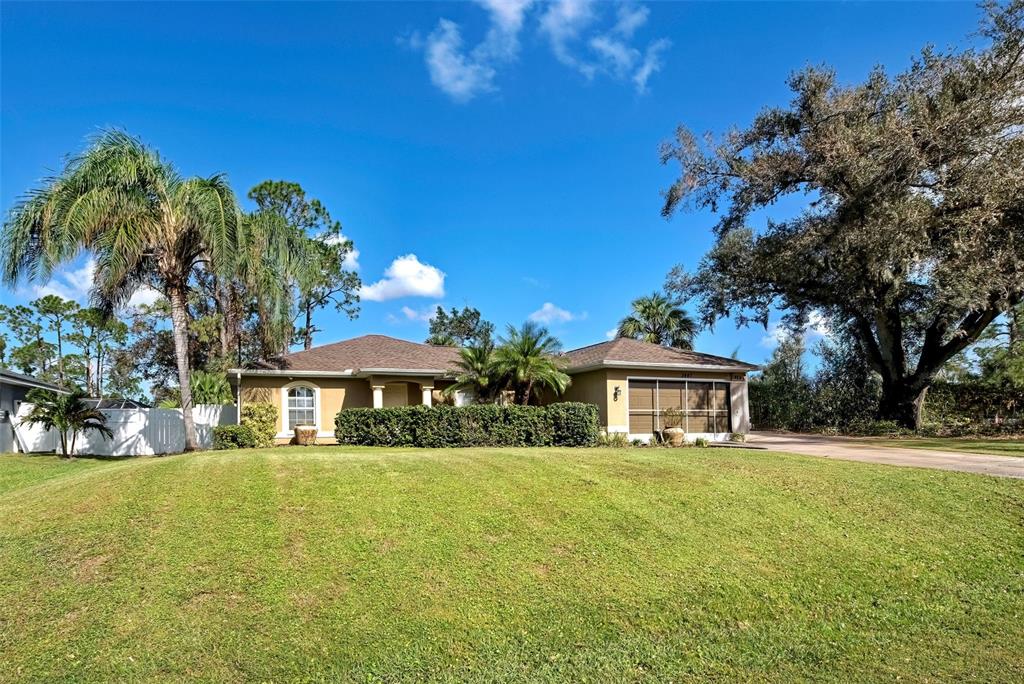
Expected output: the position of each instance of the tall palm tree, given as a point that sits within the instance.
(528, 359)
(67, 414)
(143, 222)
(477, 373)
(659, 320)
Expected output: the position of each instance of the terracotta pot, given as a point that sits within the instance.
(675, 436)
(305, 435)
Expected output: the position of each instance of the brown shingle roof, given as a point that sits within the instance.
(371, 352)
(623, 351)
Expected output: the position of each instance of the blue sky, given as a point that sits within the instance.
(500, 155)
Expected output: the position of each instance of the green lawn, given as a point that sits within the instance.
(1000, 447)
(331, 563)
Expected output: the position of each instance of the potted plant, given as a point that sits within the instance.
(305, 435)
(673, 427)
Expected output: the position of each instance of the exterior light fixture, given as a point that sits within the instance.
(616, 393)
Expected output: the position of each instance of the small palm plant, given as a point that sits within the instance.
(528, 360)
(66, 413)
(476, 373)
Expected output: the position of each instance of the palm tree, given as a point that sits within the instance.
(528, 360)
(477, 373)
(143, 222)
(659, 320)
(66, 413)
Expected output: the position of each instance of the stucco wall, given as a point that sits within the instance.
(598, 387)
(335, 393)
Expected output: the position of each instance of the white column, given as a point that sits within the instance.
(378, 396)
(428, 396)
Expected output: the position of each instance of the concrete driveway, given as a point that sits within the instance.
(850, 450)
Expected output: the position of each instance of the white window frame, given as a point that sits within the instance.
(685, 381)
(285, 432)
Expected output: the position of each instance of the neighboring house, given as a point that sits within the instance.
(13, 388)
(632, 383)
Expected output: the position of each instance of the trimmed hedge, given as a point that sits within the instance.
(564, 424)
(234, 437)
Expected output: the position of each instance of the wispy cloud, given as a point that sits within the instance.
(463, 74)
(407, 276)
(610, 334)
(423, 315)
(816, 327)
(69, 283)
(612, 51)
(549, 313)
(572, 29)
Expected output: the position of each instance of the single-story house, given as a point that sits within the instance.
(632, 384)
(13, 388)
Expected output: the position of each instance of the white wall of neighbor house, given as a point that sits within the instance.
(137, 432)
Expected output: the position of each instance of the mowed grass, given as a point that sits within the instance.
(336, 564)
(999, 447)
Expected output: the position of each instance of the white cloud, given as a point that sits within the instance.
(406, 277)
(816, 327)
(464, 75)
(74, 283)
(570, 27)
(652, 63)
(630, 18)
(610, 334)
(549, 313)
(144, 296)
(459, 75)
(351, 261)
(424, 315)
(562, 23)
(611, 52)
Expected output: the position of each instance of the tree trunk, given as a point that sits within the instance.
(308, 332)
(527, 393)
(179, 323)
(227, 324)
(60, 354)
(902, 403)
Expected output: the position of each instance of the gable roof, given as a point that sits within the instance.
(380, 354)
(368, 354)
(623, 352)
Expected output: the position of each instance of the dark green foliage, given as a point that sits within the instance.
(234, 437)
(460, 328)
(907, 228)
(563, 424)
(574, 424)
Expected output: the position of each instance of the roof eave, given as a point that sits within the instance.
(662, 366)
(285, 372)
(348, 373)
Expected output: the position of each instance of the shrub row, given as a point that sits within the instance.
(563, 424)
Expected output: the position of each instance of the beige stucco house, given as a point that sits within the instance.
(632, 384)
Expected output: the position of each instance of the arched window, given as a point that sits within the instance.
(301, 406)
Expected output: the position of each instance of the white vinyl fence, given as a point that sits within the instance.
(137, 432)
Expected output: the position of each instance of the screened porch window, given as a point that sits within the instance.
(704, 405)
(301, 406)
